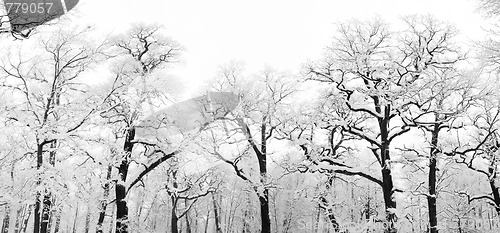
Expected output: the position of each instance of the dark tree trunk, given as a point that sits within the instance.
(264, 197)
(494, 188)
(38, 195)
(264, 212)
(173, 221)
(104, 202)
(47, 204)
(174, 198)
(387, 182)
(390, 204)
(120, 189)
(431, 198)
(121, 209)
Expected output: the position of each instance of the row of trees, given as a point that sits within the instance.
(395, 129)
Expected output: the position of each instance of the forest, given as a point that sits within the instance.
(393, 129)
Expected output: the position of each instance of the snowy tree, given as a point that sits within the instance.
(50, 103)
(372, 72)
(145, 51)
(264, 99)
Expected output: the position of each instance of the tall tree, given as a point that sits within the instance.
(52, 102)
(145, 52)
(256, 125)
(371, 70)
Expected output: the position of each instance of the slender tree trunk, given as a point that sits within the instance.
(174, 198)
(188, 224)
(173, 221)
(58, 221)
(75, 221)
(120, 189)
(87, 221)
(329, 214)
(318, 214)
(104, 201)
(26, 219)
(431, 198)
(47, 197)
(19, 219)
(6, 220)
(218, 228)
(495, 191)
(38, 195)
(206, 221)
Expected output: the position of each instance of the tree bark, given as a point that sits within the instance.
(431, 198)
(218, 228)
(329, 214)
(264, 197)
(24, 225)
(47, 204)
(173, 221)
(38, 201)
(120, 189)
(387, 182)
(104, 204)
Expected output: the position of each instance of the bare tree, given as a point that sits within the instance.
(47, 85)
(257, 124)
(187, 188)
(373, 71)
(145, 51)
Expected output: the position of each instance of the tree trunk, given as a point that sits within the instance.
(390, 204)
(76, 220)
(87, 221)
(26, 219)
(496, 194)
(264, 197)
(206, 221)
(431, 198)
(19, 219)
(264, 212)
(218, 228)
(329, 214)
(173, 221)
(104, 202)
(58, 221)
(188, 224)
(47, 204)
(6, 220)
(387, 184)
(38, 195)
(120, 189)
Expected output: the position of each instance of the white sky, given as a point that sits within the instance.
(280, 33)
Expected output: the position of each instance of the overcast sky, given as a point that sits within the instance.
(280, 33)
